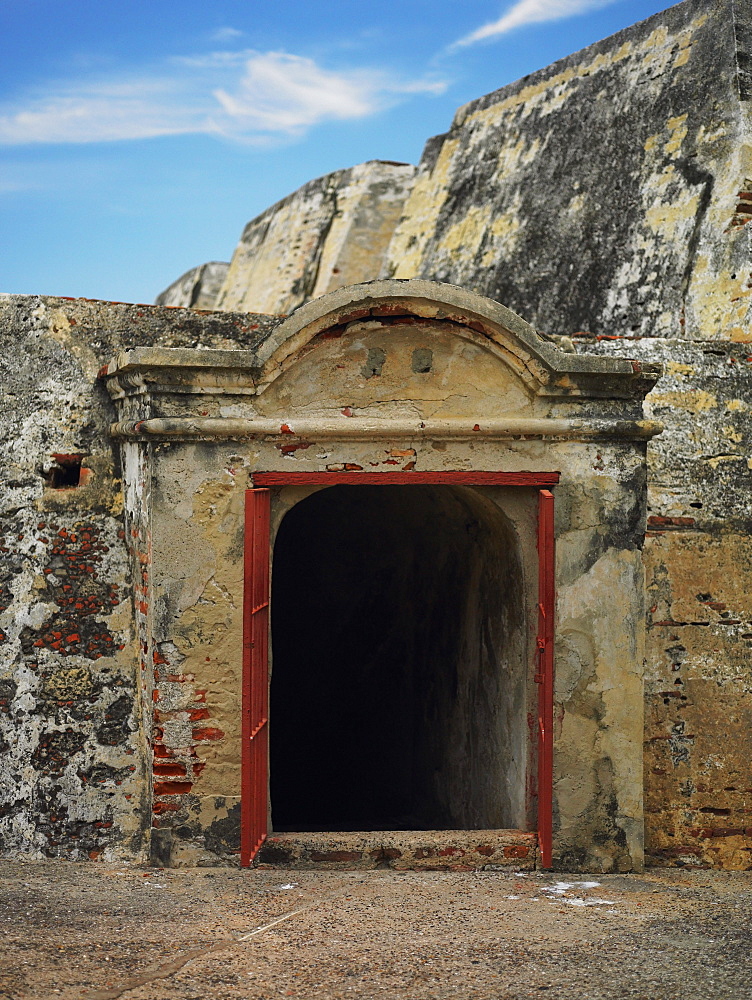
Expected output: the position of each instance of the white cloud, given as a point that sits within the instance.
(285, 93)
(248, 96)
(99, 114)
(530, 12)
(226, 34)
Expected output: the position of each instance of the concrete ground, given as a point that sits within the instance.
(100, 932)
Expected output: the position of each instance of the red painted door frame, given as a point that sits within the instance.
(255, 704)
(255, 735)
(544, 675)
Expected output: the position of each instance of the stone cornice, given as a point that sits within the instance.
(364, 429)
(545, 370)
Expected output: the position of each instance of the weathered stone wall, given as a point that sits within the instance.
(698, 558)
(197, 288)
(607, 199)
(607, 193)
(334, 231)
(76, 756)
(337, 388)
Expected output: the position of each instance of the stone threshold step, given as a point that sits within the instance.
(402, 850)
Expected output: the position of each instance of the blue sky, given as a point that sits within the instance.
(139, 137)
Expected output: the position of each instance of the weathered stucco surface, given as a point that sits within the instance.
(75, 753)
(698, 559)
(334, 231)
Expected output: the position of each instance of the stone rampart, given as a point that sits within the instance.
(334, 231)
(607, 193)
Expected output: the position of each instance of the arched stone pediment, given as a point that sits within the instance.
(408, 359)
(391, 363)
(433, 311)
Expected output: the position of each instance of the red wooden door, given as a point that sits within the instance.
(255, 734)
(545, 673)
(255, 721)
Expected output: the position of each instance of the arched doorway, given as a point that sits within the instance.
(400, 662)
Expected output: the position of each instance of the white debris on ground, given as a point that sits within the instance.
(562, 890)
(563, 887)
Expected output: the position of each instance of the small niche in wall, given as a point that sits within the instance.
(66, 472)
(422, 360)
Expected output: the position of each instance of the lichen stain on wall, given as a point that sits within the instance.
(631, 228)
(68, 703)
(74, 578)
(72, 778)
(332, 232)
(421, 213)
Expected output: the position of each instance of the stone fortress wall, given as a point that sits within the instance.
(334, 231)
(606, 200)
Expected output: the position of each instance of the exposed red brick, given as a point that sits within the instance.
(516, 851)
(169, 768)
(288, 449)
(385, 853)
(657, 521)
(163, 807)
(208, 733)
(172, 787)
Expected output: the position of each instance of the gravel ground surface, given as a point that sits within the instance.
(101, 932)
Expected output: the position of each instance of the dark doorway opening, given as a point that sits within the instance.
(399, 663)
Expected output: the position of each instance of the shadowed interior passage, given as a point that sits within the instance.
(398, 676)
